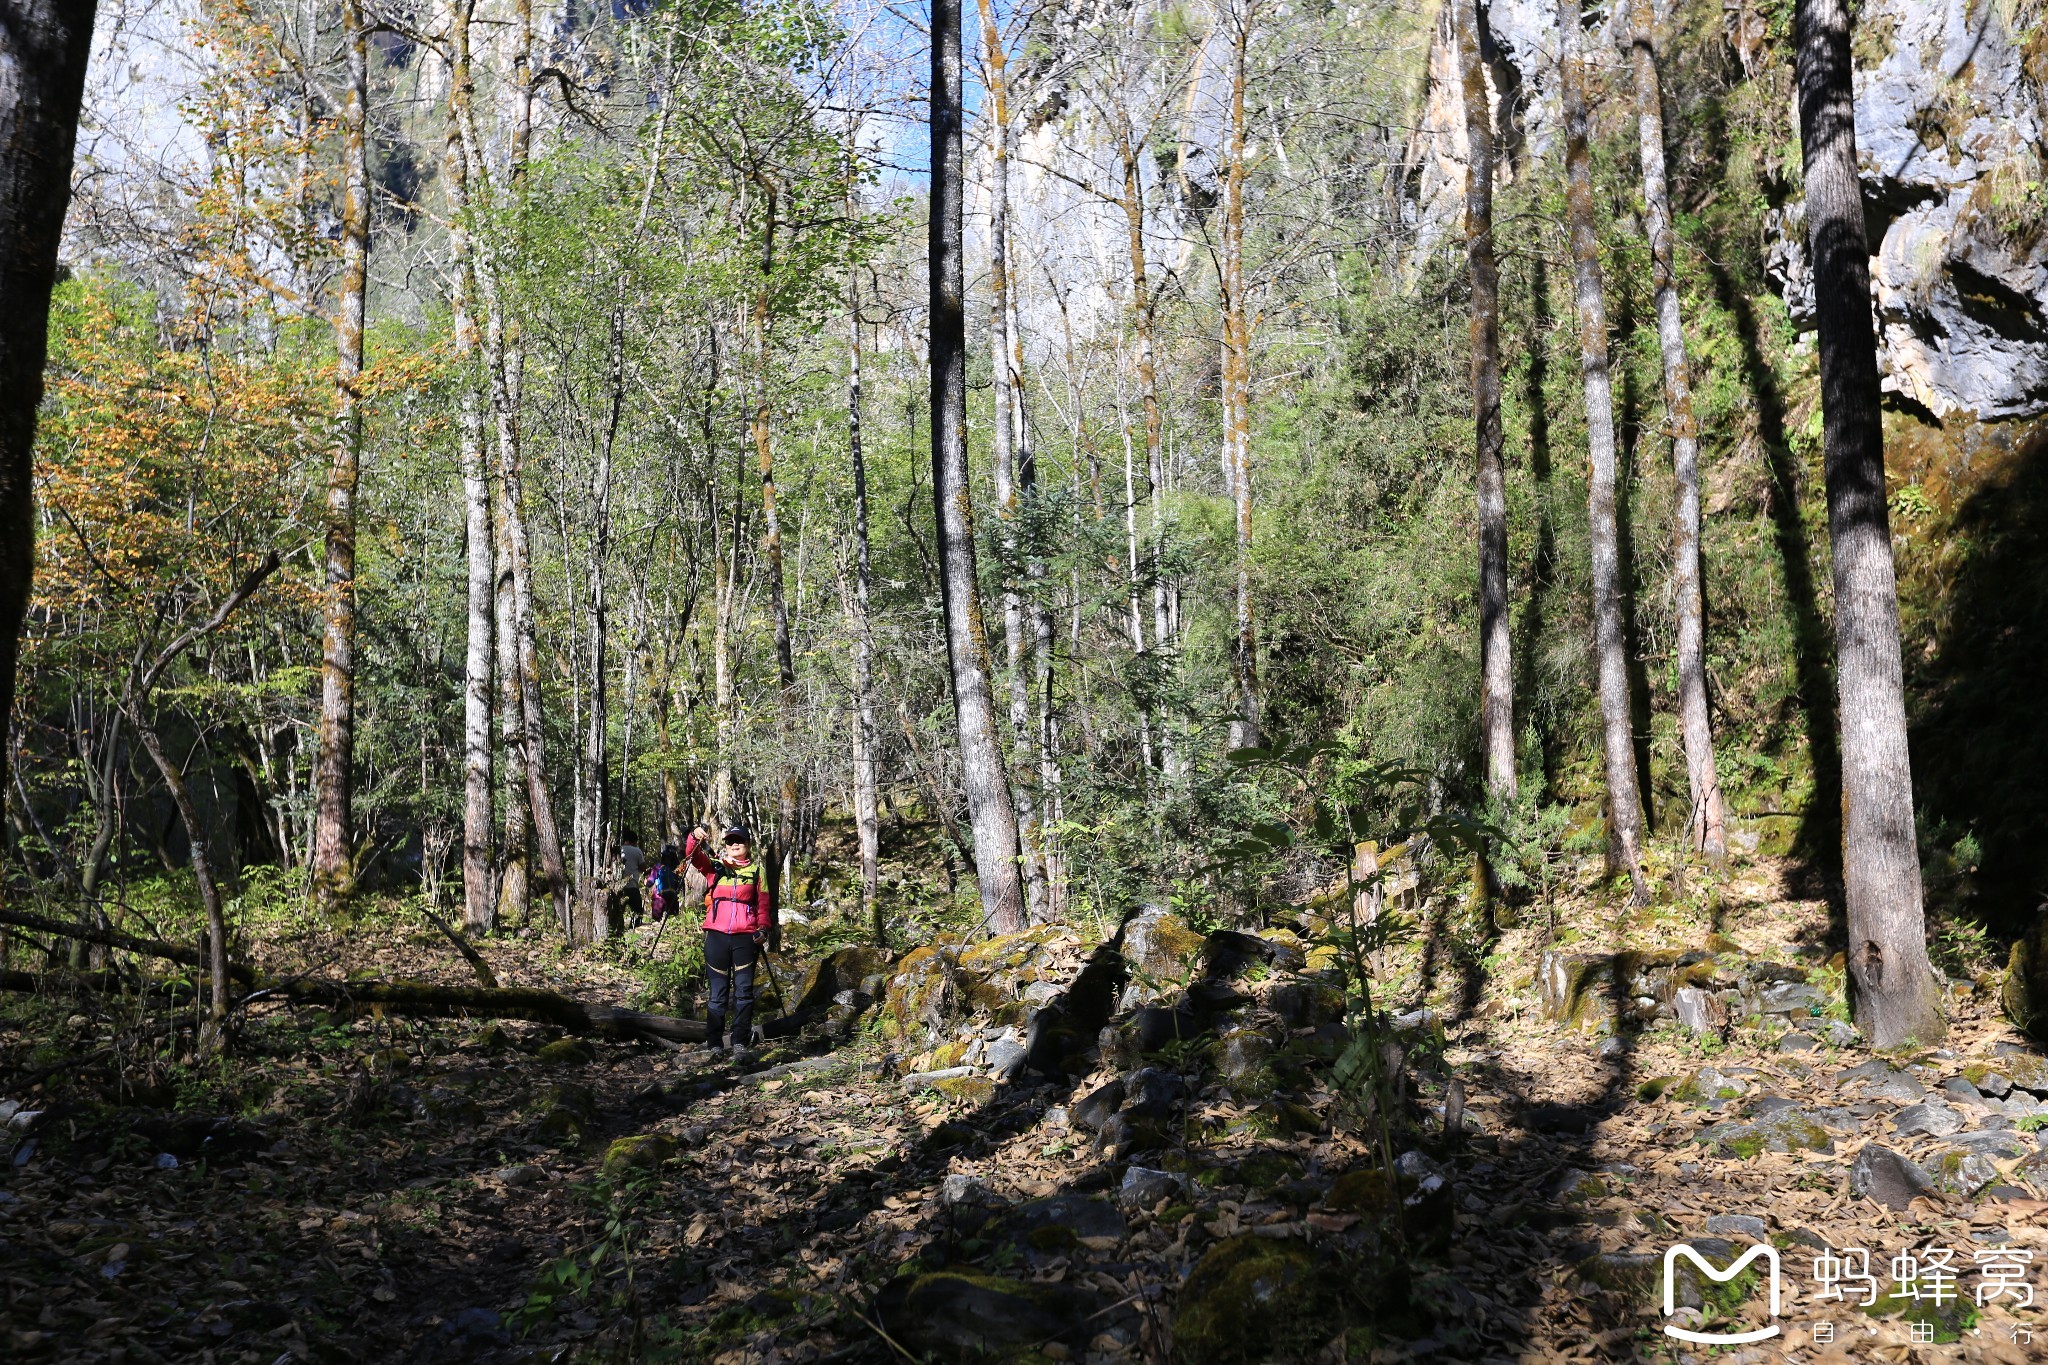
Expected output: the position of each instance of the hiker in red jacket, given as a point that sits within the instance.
(737, 913)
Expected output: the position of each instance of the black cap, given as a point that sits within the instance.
(738, 835)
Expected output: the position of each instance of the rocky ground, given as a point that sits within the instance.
(1041, 1148)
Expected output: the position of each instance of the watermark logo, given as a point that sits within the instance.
(1768, 1254)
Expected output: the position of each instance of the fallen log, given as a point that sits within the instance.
(93, 983)
(419, 999)
(114, 938)
(410, 998)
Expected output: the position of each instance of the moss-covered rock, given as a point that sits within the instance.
(2025, 991)
(1708, 1085)
(838, 973)
(1654, 1087)
(452, 1108)
(1578, 1187)
(1266, 1170)
(643, 1152)
(566, 1052)
(1304, 1002)
(951, 1315)
(921, 996)
(1963, 1173)
(489, 1038)
(1018, 953)
(568, 1114)
(1162, 952)
(1292, 1119)
(974, 1090)
(1243, 1056)
(1247, 1297)
(1636, 1276)
(1368, 1193)
(1595, 991)
(564, 1126)
(1786, 1130)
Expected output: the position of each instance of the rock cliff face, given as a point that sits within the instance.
(1949, 134)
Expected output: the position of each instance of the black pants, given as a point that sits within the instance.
(729, 960)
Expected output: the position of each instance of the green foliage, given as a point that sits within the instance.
(671, 977)
(1386, 799)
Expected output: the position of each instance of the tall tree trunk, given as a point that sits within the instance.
(43, 49)
(1896, 1000)
(1610, 644)
(1245, 729)
(594, 785)
(334, 777)
(515, 891)
(504, 363)
(1708, 823)
(777, 850)
(981, 755)
(1143, 322)
(1496, 673)
(479, 899)
(1132, 573)
(592, 816)
(867, 819)
(1039, 612)
(726, 587)
(1004, 439)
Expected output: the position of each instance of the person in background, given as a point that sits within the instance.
(633, 864)
(736, 914)
(665, 883)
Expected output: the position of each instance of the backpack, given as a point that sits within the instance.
(661, 883)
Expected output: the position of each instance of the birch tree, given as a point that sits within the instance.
(983, 778)
(1610, 645)
(1707, 823)
(1496, 672)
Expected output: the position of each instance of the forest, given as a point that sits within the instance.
(1100, 680)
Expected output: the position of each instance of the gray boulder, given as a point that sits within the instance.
(1697, 1011)
(1789, 997)
(1933, 1118)
(1094, 1223)
(1962, 1172)
(1881, 1174)
(1739, 1225)
(2003, 1146)
(1093, 1110)
(951, 1315)
(1153, 1093)
(1143, 1188)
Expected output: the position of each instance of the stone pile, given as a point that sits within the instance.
(1935, 1127)
(1704, 991)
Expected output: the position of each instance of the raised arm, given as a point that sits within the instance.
(695, 856)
